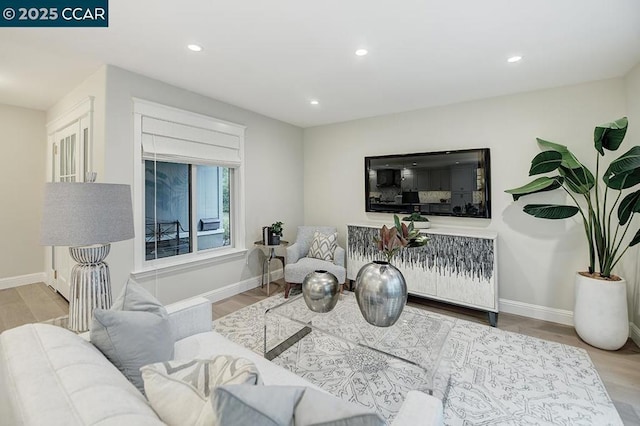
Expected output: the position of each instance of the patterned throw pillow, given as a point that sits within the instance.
(180, 391)
(323, 246)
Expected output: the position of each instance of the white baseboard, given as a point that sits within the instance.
(239, 287)
(11, 282)
(560, 316)
(634, 333)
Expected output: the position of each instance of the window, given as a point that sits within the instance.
(173, 203)
(189, 181)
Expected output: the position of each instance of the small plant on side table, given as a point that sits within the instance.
(275, 233)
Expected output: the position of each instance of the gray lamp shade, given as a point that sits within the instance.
(82, 214)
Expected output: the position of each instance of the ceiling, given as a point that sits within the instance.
(273, 57)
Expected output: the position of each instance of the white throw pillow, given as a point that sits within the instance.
(180, 391)
(323, 246)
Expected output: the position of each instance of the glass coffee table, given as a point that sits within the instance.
(342, 353)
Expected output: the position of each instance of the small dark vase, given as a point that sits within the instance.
(381, 293)
(274, 239)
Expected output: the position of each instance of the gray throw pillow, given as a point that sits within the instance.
(254, 405)
(286, 405)
(134, 297)
(319, 408)
(136, 336)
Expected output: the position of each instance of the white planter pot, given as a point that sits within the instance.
(419, 225)
(600, 313)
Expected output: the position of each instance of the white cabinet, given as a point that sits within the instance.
(422, 176)
(439, 179)
(463, 178)
(456, 266)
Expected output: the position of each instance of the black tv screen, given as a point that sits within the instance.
(446, 183)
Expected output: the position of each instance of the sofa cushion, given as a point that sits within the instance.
(322, 246)
(254, 405)
(295, 272)
(179, 391)
(51, 376)
(134, 332)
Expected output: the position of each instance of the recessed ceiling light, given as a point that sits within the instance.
(513, 59)
(194, 47)
(314, 102)
(361, 52)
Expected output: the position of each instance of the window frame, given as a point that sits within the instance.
(237, 249)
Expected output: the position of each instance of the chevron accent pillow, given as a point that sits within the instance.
(323, 246)
(180, 391)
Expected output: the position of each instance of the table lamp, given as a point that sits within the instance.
(87, 217)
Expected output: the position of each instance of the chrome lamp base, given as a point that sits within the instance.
(90, 284)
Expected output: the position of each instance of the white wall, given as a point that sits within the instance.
(632, 88)
(537, 259)
(273, 179)
(22, 168)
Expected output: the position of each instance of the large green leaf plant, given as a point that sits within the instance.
(605, 233)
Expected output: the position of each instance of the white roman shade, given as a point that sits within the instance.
(215, 143)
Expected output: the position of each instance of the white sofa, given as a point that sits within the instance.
(51, 376)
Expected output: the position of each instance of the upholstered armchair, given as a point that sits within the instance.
(299, 264)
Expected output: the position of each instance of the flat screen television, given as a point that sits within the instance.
(445, 183)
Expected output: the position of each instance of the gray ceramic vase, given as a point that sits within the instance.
(320, 291)
(381, 292)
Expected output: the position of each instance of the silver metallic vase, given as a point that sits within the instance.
(320, 291)
(381, 292)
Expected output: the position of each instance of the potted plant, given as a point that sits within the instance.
(381, 290)
(600, 310)
(275, 232)
(417, 220)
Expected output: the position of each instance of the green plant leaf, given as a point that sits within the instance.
(396, 221)
(626, 163)
(623, 180)
(609, 136)
(580, 180)
(550, 211)
(568, 159)
(628, 206)
(635, 240)
(540, 184)
(545, 162)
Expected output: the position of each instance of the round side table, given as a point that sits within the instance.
(266, 265)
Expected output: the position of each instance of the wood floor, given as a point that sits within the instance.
(28, 304)
(619, 370)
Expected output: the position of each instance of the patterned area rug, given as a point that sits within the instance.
(497, 377)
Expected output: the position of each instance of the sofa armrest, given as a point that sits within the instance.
(419, 409)
(338, 256)
(189, 317)
(293, 253)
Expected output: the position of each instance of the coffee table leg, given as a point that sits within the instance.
(276, 351)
